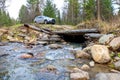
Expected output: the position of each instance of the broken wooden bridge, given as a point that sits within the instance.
(79, 35)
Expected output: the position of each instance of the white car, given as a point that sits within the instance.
(44, 20)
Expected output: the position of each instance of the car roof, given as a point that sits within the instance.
(41, 16)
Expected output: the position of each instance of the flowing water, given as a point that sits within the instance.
(12, 67)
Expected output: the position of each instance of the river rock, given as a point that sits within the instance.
(76, 70)
(55, 46)
(100, 53)
(42, 42)
(80, 75)
(92, 63)
(107, 76)
(105, 39)
(85, 67)
(117, 65)
(82, 54)
(115, 43)
(26, 56)
(117, 58)
(2, 44)
(51, 68)
(114, 71)
(87, 49)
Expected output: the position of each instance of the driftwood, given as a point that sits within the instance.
(38, 29)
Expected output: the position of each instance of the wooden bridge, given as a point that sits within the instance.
(70, 35)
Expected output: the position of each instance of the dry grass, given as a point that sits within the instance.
(104, 27)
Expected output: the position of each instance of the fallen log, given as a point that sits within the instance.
(76, 32)
(38, 29)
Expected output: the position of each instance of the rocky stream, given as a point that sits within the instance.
(60, 60)
(50, 62)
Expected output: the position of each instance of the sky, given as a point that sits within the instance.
(15, 5)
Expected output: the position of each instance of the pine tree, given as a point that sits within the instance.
(89, 10)
(5, 19)
(58, 18)
(72, 11)
(35, 8)
(50, 9)
(106, 9)
(24, 14)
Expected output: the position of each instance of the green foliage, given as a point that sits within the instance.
(5, 19)
(50, 9)
(58, 18)
(23, 14)
(34, 8)
(89, 8)
(119, 55)
(32, 1)
(71, 13)
(106, 9)
(111, 65)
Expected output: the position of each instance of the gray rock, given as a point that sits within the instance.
(105, 39)
(100, 54)
(117, 65)
(115, 43)
(107, 76)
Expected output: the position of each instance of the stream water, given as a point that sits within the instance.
(12, 67)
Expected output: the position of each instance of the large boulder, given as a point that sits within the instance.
(107, 76)
(115, 43)
(117, 65)
(105, 39)
(100, 54)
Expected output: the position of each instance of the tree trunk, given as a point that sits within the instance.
(98, 10)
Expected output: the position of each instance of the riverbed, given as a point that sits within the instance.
(62, 60)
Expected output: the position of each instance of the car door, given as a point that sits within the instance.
(39, 19)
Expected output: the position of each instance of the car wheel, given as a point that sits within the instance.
(53, 21)
(45, 22)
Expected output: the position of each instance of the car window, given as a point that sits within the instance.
(40, 17)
